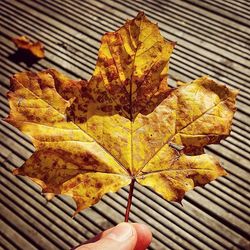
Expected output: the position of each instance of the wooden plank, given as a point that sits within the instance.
(212, 218)
(4, 243)
(235, 193)
(224, 231)
(20, 225)
(11, 239)
(240, 209)
(239, 18)
(194, 216)
(211, 17)
(239, 4)
(235, 7)
(54, 224)
(32, 218)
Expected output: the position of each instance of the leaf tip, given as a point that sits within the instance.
(75, 214)
(223, 172)
(180, 202)
(5, 119)
(49, 196)
(15, 171)
(140, 14)
(174, 43)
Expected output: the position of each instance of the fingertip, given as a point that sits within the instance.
(122, 232)
(122, 237)
(144, 236)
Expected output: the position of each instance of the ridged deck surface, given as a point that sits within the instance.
(213, 38)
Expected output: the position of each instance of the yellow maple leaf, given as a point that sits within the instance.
(122, 126)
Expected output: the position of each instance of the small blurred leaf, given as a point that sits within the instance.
(35, 48)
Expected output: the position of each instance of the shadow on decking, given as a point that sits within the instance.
(25, 56)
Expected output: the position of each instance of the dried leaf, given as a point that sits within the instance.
(35, 48)
(124, 125)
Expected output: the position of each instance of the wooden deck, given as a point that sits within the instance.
(213, 38)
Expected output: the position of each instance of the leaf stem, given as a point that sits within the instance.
(131, 189)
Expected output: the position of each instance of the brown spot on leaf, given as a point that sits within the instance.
(98, 185)
(108, 108)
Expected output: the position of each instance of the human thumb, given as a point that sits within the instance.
(122, 237)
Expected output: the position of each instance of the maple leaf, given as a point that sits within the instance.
(122, 126)
(35, 48)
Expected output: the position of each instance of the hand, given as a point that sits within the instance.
(124, 236)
